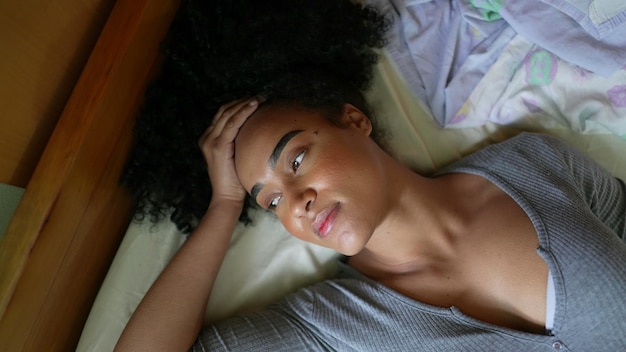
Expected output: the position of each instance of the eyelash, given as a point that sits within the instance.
(295, 165)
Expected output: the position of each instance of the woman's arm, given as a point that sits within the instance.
(170, 316)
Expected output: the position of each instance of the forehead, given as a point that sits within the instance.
(274, 121)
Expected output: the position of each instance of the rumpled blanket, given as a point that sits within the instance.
(587, 33)
(531, 87)
(445, 48)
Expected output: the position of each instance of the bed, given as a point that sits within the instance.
(264, 262)
(62, 258)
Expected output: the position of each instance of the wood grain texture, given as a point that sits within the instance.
(72, 217)
(45, 46)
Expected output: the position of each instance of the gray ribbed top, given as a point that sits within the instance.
(577, 209)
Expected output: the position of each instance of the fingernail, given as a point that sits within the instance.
(253, 102)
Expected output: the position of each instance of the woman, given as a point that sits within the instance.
(470, 259)
(461, 259)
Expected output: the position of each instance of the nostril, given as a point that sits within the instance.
(308, 205)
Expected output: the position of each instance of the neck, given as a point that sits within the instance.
(419, 230)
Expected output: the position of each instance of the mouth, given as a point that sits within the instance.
(324, 221)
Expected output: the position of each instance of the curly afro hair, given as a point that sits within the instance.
(314, 53)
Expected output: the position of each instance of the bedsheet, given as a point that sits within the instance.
(529, 86)
(264, 262)
(587, 33)
(445, 48)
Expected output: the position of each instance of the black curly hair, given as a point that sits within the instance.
(314, 53)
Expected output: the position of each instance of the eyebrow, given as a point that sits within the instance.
(273, 159)
(255, 190)
(280, 146)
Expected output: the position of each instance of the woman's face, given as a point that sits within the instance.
(323, 181)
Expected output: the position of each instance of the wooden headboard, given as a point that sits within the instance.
(73, 215)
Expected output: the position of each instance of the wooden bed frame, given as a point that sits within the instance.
(73, 215)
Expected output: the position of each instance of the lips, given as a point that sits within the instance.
(324, 221)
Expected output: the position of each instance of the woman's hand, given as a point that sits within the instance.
(218, 147)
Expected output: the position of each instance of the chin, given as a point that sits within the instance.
(348, 244)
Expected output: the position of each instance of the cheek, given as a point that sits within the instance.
(336, 164)
(294, 228)
(349, 173)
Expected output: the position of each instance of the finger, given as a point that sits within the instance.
(218, 115)
(227, 125)
(237, 119)
(224, 109)
(227, 128)
(225, 114)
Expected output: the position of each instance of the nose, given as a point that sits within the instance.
(300, 202)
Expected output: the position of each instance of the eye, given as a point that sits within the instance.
(274, 203)
(295, 164)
